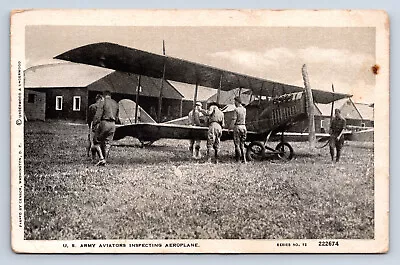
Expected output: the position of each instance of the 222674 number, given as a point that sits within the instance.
(328, 243)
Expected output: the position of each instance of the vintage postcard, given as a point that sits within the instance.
(199, 131)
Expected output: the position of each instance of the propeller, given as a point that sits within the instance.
(310, 104)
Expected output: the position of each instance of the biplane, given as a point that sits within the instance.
(275, 108)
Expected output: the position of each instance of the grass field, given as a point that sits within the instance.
(161, 193)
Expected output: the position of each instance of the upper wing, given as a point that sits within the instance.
(125, 59)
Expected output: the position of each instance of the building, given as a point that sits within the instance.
(34, 105)
(350, 112)
(65, 90)
(367, 114)
(124, 86)
(59, 91)
(356, 114)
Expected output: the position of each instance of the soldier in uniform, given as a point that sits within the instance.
(105, 118)
(89, 119)
(336, 139)
(194, 119)
(239, 130)
(215, 123)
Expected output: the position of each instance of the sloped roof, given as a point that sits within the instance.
(350, 111)
(228, 97)
(366, 111)
(63, 75)
(126, 83)
(325, 109)
(187, 90)
(317, 111)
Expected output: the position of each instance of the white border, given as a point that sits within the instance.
(266, 18)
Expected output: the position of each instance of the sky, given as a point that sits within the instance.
(339, 56)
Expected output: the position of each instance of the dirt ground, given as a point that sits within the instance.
(159, 192)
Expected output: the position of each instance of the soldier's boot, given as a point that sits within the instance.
(89, 146)
(216, 156)
(237, 155)
(337, 155)
(197, 152)
(103, 150)
(208, 156)
(193, 151)
(102, 161)
(107, 148)
(93, 151)
(243, 155)
(332, 151)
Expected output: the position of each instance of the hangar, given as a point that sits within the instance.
(63, 91)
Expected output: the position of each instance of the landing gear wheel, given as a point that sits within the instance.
(255, 151)
(285, 151)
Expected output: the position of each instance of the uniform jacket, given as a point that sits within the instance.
(91, 112)
(239, 116)
(215, 115)
(107, 110)
(337, 126)
(194, 117)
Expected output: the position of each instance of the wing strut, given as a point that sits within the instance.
(250, 87)
(261, 89)
(195, 96)
(219, 89)
(161, 86)
(195, 89)
(333, 102)
(137, 99)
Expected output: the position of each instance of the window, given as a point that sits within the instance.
(59, 102)
(76, 105)
(169, 111)
(31, 98)
(322, 124)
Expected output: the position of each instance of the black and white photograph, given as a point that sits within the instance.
(200, 131)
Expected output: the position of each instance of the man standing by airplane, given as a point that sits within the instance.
(194, 119)
(105, 118)
(336, 139)
(89, 119)
(215, 123)
(239, 130)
